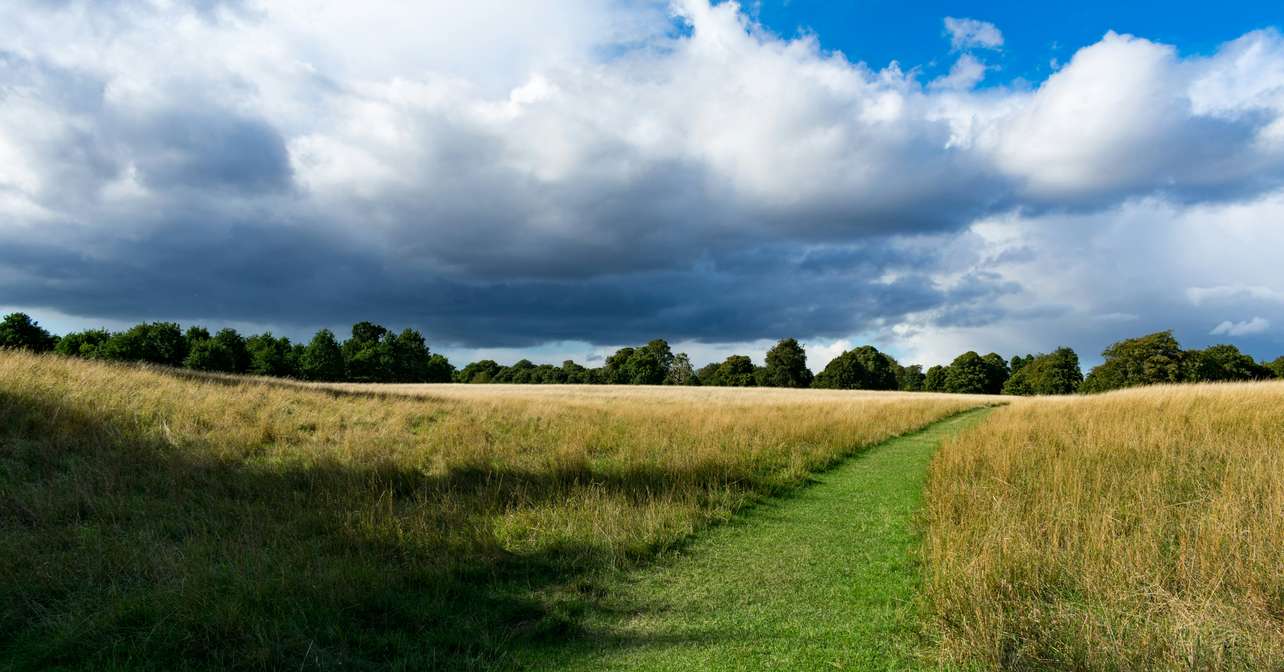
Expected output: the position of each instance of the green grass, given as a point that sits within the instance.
(825, 579)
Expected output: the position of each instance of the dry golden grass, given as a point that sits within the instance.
(1138, 530)
(157, 517)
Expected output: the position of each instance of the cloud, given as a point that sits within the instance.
(1228, 293)
(1256, 325)
(607, 172)
(972, 34)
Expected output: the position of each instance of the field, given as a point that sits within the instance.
(1142, 529)
(152, 519)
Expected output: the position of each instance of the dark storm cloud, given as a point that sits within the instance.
(722, 185)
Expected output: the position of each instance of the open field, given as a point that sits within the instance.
(150, 518)
(1137, 530)
(154, 519)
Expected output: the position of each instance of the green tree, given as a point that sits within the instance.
(1055, 373)
(155, 342)
(1147, 360)
(410, 356)
(439, 369)
(969, 373)
(681, 372)
(19, 331)
(614, 370)
(322, 359)
(367, 356)
(1276, 366)
(708, 374)
(83, 343)
(1224, 362)
(234, 343)
(645, 366)
(864, 368)
(210, 355)
(787, 365)
(910, 378)
(934, 379)
(484, 371)
(271, 356)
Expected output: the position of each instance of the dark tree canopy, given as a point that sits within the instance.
(934, 379)
(322, 359)
(1219, 363)
(971, 373)
(378, 355)
(1146, 360)
(786, 365)
(864, 368)
(83, 343)
(19, 331)
(1057, 372)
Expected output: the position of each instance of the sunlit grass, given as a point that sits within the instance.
(148, 517)
(1135, 530)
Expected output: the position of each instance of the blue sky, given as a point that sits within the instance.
(555, 180)
(1035, 33)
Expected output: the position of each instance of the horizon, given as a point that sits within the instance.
(521, 181)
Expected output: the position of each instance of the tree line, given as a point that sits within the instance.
(373, 354)
(378, 355)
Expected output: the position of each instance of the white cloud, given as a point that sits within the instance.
(1257, 325)
(1224, 293)
(971, 33)
(522, 141)
(966, 73)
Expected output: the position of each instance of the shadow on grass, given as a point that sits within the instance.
(121, 550)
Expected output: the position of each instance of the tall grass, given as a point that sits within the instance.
(152, 520)
(1139, 530)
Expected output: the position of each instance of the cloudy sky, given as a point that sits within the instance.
(552, 179)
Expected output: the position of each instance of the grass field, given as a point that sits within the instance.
(156, 521)
(152, 519)
(1137, 530)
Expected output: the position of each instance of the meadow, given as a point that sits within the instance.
(162, 519)
(1137, 530)
(153, 519)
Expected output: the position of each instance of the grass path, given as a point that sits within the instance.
(820, 580)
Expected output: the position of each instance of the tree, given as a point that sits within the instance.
(910, 378)
(787, 365)
(410, 356)
(681, 372)
(234, 343)
(367, 356)
(734, 371)
(996, 373)
(864, 368)
(83, 343)
(934, 379)
(270, 356)
(1277, 367)
(155, 342)
(969, 373)
(210, 355)
(484, 371)
(1147, 360)
(322, 359)
(1223, 363)
(439, 369)
(1055, 373)
(613, 369)
(708, 374)
(18, 330)
(645, 366)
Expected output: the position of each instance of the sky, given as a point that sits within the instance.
(554, 180)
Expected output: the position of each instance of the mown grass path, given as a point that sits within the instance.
(824, 579)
